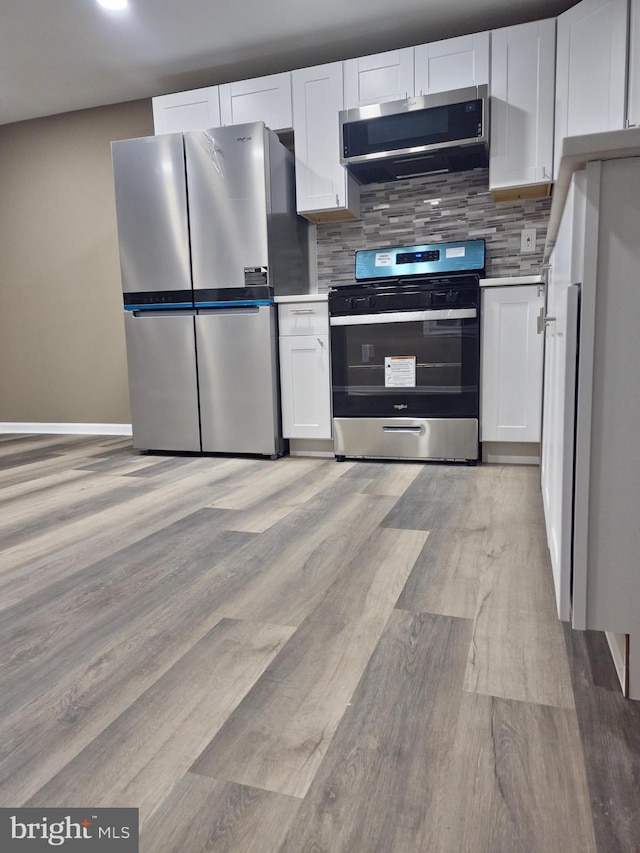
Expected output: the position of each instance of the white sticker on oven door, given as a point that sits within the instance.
(384, 259)
(400, 371)
(455, 252)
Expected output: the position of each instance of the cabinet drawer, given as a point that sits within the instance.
(303, 318)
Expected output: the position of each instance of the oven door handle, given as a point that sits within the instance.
(404, 317)
(413, 430)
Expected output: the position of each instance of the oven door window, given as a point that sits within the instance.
(421, 368)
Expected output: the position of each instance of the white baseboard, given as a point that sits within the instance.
(66, 429)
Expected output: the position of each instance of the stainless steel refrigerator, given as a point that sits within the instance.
(208, 236)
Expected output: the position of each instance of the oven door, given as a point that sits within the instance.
(421, 364)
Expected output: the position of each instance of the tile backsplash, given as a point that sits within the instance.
(434, 209)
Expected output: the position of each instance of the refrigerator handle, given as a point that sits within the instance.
(150, 313)
(240, 309)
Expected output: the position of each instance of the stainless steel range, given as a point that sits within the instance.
(405, 353)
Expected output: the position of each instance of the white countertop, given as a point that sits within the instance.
(577, 151)
(303, 297)
(510, 280)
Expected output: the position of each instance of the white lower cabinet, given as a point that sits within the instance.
(305, 371)
(511, 372)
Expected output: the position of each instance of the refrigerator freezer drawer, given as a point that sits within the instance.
(163, 381)
(237, 368)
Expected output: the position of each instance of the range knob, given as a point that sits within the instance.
(371, 302)
(354, 302)
(451, 296)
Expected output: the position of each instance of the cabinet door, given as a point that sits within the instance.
(522, 86)
(560, 355)
(375, 79)
(633, 102)
(322, 183)
(305, 386)
(266, 99)
(591, 64)
(197, 109)
(511, 364)
(452, 64)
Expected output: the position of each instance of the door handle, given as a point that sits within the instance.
(412, 430)
(303, 310)
(542, 321)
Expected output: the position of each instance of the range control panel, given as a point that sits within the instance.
(432, 259)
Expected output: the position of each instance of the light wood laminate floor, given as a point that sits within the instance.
(301, 655)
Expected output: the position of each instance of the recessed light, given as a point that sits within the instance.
(114, 5)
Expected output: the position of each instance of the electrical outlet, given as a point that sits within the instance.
(528, 240)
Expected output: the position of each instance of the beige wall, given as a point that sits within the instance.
(62, 349)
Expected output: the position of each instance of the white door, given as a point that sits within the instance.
(511, 386)
(322, 183)
(375, 79)
(522, 103)
(591, 67)
(197, 109)
(266, 99)
(305, 386)
(452, 64)
(558, 416)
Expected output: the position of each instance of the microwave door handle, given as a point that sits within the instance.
(404, 317)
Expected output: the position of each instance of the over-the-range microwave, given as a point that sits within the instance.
(445, 132)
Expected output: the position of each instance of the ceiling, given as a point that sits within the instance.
(62, 55)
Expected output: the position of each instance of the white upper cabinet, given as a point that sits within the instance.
(324, 190)
(511, 387)
(633, 102)
(452, 64)
(266, 99)
(375, 79)
(522, 104)
(591, 65)
(196, 109)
